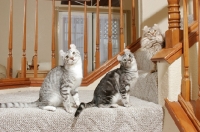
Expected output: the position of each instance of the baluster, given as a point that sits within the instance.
(198, 100)
(53, 60)
(173, 33)
(69, 23)
(109, 31)
(23, 62)
(97, 65)
(195, 10)
(10, 41)
(185, 89)
(133, 21)
(36, 41)
(85, 40)
(121, 26)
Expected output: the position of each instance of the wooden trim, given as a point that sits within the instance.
(53, 44)
(107, 66)
(190, 113)
(179, 116)
(14, 83)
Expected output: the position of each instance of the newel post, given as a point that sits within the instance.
(173, 34)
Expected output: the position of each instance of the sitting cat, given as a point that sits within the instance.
(114, 87)
(152, 41)
(59, 84)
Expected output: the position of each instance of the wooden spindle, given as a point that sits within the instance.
(97, 60)
(36, 41)
(133, 21)
(121, 26)
(197, 112)
(109, 31)
(85, 40)
(174, 33)
(195, 9)
(185, 91)
(69, 23)
(10, 41)
(23, 61)
(53, 59)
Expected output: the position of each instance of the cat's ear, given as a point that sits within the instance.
(146, 28)
(119, 58)
(62, 53)
(72, 46)
(126, 51)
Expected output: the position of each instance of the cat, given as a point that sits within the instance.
(113, 89)
(58, 85)
(152, 41)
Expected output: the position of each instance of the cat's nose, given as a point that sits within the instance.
(72, 58)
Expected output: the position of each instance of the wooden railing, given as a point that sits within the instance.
(185, 112)
(88, 77)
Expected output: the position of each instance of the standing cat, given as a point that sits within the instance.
(152, 41)
(59, 84)
(114, 87)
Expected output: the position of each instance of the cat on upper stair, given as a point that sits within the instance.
(114, 87)
(59, 84)
(152, 41)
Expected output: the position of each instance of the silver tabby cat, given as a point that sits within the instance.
(114, 87)
(59, 84)
(152, 41)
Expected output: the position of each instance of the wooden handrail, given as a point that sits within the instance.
(23, 63)
(10, 58)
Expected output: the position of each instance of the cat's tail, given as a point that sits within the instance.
(19, 104)
(83, 106)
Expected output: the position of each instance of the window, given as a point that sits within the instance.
(77, 35)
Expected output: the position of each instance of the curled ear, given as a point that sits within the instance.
(127, 51)
(62, 53)
(72, 46)
(145, 28)
(119, 58)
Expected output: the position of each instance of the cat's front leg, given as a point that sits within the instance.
(125, 96)
(65, 92)
(75, 96)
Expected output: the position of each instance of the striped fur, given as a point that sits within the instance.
(113, 89)
(60, 83)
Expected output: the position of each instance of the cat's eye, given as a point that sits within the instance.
(67, 56)
(73, 53)
(124, 59)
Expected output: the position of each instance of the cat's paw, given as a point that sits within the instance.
(70, 111)
(127, 105)
(49, 108)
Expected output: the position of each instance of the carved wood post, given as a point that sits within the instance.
(23, 62)
(36, 41)
(109, 31)
(133, 21)
(198, 100)
(10, 58)
(195, 9)
(85, 40)
(53, 60)
(121, 26)
(69, 23)
(173, 34)
(185, 91)
(97, 59)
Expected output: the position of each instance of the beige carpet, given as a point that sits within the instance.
(142, 116)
